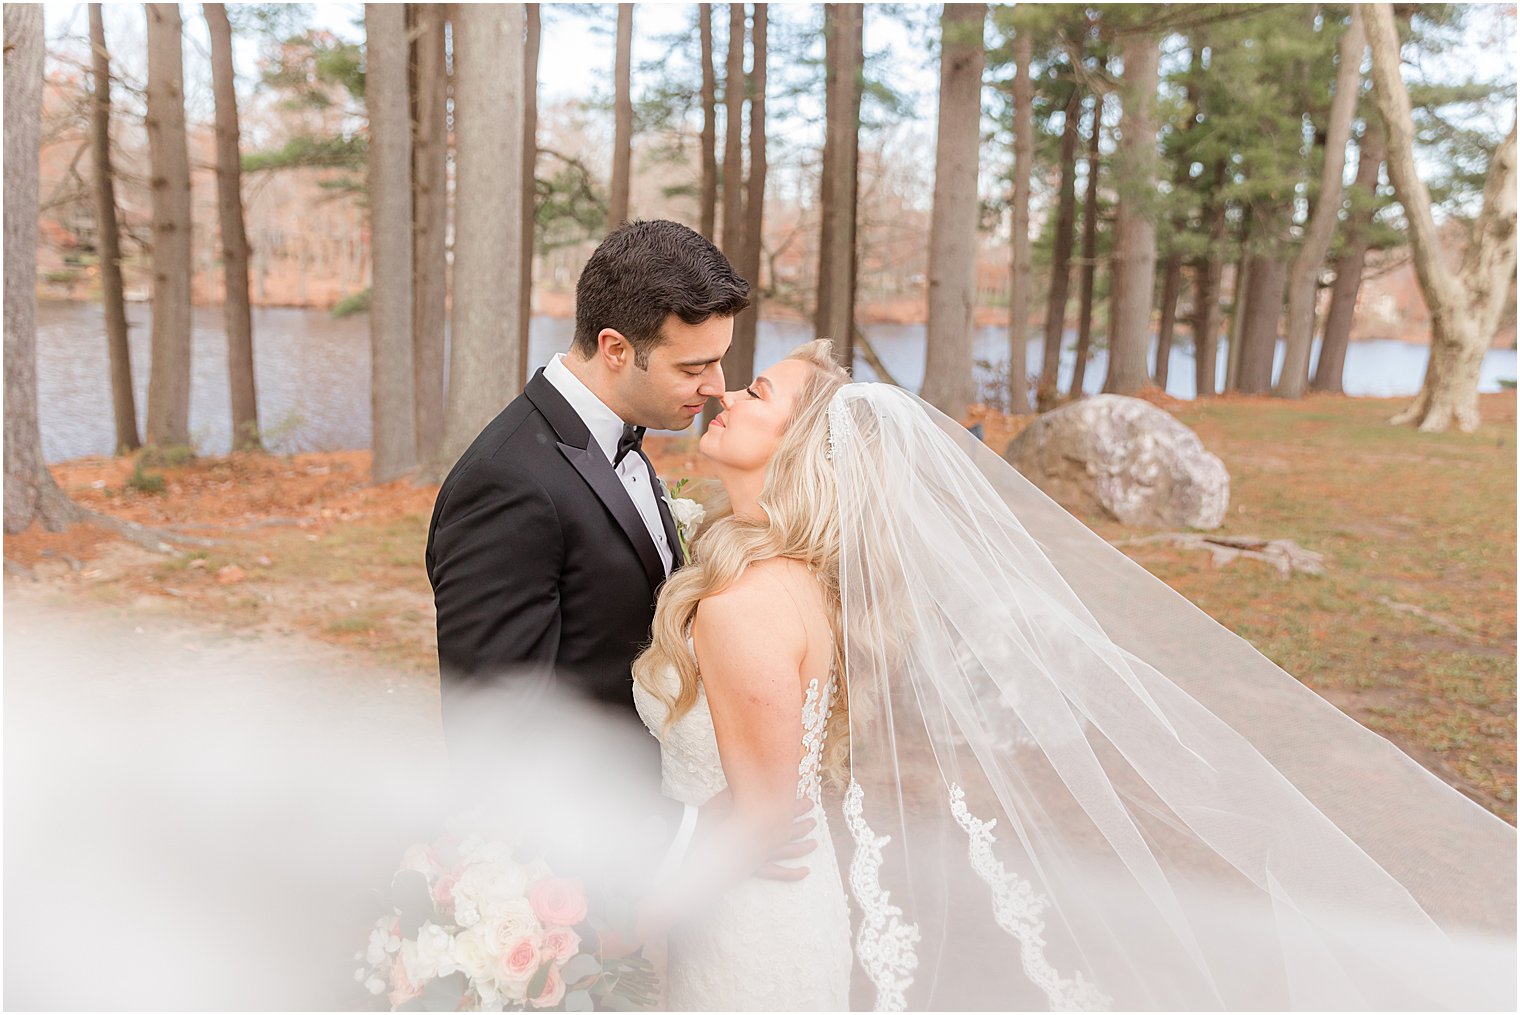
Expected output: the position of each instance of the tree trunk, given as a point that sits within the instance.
(1047, 390)
(1348, 267)
(169, 157)
(392, 401)
(1171, 284)
(1171, 288)
(709, 210)
(747, 323)
(30, 493)
(430, 209)
(622, 105)
(1464, 307)
(1020, 273)
(948, 382)
(1263, 312)
(1089, 250)
(1134, 263)
(738, 369)
(1209, 272)
(733, 139)
(835, 314)
(1240, 293)
(488, 133)
(123, 400)
(1303, 277)
(529, 185)
(229, 206)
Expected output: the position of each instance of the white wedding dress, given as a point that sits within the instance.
(765, 945)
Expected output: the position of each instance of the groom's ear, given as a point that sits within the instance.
(615, 350)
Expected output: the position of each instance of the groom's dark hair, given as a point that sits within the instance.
(645, 271)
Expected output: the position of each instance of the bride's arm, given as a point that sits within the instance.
(751, 643)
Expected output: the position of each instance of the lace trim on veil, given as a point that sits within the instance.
(885, 943)
(1017, 908)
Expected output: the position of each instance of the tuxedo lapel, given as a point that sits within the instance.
(672, 536)
(598, 474)
(580, 450)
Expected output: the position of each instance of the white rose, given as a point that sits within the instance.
(513, 920)
(486, 890)
(375, 985)
(469, 953)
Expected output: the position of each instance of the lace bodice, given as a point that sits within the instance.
(691, 770)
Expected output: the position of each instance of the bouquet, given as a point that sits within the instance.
(474, 927)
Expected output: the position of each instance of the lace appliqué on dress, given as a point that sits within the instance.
(884, 944)
(1017, 908)
(816, 709)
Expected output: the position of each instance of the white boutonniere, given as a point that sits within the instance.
(687, 513)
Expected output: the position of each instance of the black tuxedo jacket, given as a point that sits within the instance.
(539, 561)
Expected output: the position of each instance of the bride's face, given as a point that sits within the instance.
(745, 434)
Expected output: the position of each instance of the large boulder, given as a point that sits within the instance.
(1125, 458)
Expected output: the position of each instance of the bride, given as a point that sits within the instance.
(1063, 785)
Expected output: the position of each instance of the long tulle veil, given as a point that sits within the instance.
(1071, 788)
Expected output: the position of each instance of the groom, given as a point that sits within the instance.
(549, 538)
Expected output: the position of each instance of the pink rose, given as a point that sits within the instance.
(563, 943)
(402, 988)
(553, 992)
(520, 961)
(558, 901)
(443, 888)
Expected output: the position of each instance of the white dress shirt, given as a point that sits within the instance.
(606, 429)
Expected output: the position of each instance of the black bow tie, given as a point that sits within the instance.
(632, 440)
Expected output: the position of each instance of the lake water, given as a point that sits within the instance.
(312, 372)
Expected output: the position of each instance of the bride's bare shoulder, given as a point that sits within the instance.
(767, 596)
(775, 579)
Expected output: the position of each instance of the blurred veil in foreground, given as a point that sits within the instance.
(1073, 789)
(201, 821)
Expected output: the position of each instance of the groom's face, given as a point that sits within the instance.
(681, 374)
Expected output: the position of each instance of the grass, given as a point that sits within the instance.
(1425, 521)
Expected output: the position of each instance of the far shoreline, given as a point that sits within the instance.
(560, 306)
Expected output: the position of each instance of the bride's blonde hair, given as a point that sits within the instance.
(799, 501)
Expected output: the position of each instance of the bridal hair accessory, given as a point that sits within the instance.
(1071, 788)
